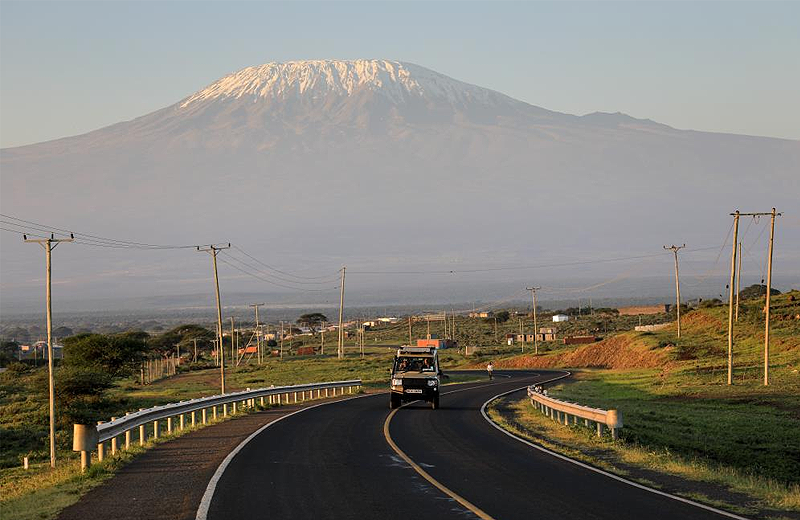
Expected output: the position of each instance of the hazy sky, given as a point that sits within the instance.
(70, 67)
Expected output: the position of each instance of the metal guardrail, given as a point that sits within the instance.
(88, 437)
(566, 412)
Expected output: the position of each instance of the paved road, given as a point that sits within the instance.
(334, 462)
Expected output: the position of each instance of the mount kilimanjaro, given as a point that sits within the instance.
(377, 157)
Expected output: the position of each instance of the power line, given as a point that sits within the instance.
(256, 269)
(89, 238)
(278, 270)
(257, 277)
(520, 268)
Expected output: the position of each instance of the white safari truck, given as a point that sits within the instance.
(415, 376)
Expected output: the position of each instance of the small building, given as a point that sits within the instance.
(481, 314)
(436, 343)
(560, 317)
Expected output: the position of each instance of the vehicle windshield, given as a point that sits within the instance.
(414, 364)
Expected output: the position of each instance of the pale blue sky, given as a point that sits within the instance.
(67, 67)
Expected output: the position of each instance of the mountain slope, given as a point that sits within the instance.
(317, 155)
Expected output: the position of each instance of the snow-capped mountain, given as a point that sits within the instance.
(318, 155)
(394, 80)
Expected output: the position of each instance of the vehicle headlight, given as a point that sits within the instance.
(397, 382)
(431, 382)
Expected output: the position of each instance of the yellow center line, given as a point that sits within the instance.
(424, 474)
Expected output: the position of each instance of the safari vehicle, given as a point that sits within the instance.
(415, 376)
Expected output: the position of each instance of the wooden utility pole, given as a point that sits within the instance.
(535, 325)
(675, 250)
(213, 250)
(495, 328)
(258, 331)
(772, 214)
(281, 353)
(234, 353)
(409, 330)
(769, 289)
(340, 349)
(194, 358)
(738, 282)
(730, 295)
(49, 244)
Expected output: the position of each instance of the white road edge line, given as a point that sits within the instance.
(205, 502)
(592, 468)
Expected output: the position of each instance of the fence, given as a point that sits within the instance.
(155, 369)
(565, 412)
(87, 438)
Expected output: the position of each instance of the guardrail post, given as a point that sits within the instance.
(101, 448)
(295, 397)
(113, 441)
(194, 419)
(84, 437)
(142, 435)
(182, 421)
(203, 415)
(214, 412)
(326, 392)
(599, 429)
(614, 422)
(349, 389)
(155, 429)
(261, 400)
(225, 410)
(233, 408)
(169, 424)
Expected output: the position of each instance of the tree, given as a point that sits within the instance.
(311, 320)
(8, 352)
(116, 355)
(502, 316)
(756, 291)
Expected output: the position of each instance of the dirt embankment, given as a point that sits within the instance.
(621, 351)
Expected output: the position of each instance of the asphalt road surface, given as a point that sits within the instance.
(334, 461)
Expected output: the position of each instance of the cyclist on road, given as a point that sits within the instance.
(489, 369)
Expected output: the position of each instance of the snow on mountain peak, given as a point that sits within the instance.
(397, 80)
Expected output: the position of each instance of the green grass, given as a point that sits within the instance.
(756, 492)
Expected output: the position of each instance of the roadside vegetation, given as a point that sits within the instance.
(672, 393)
(680, 416)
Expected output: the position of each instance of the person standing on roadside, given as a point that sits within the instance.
(490, 369)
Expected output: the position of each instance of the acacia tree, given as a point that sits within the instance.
(312, 320)
(116, 355)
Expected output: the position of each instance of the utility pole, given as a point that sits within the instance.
(495, 328)
(340, 351)
(322, 340)
(738, 281)
(281, 353)
(234, 354)
(535, 329)
(730, 295)
(409, 330)
(522, 334)
(213, 250)
(258, 335)
(195, 351)
(49, 244)
(769, 289)
(675, 250)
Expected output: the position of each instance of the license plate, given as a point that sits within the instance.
(413, 390)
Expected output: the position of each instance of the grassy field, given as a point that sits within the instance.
(674, 398)
(680, 416)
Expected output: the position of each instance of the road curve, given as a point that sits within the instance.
(334, 461)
